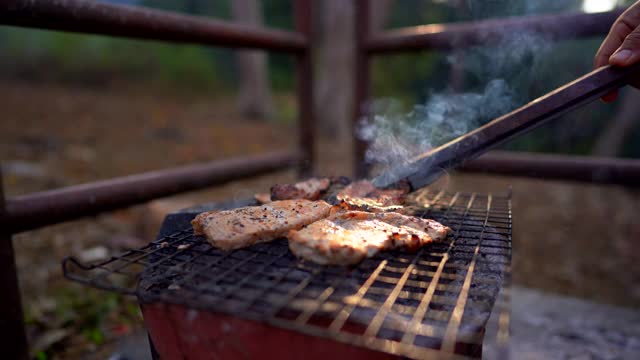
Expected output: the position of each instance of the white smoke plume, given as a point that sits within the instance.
(395, 137)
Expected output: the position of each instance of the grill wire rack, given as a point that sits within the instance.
(432, 302)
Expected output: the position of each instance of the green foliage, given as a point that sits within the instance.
(405, 76)
(187, 66)
(80, 314)
(99, 59)
(286, 108)
(96, 60)
(281, 72)
(631, 147)
(219, 8)
(278, 13)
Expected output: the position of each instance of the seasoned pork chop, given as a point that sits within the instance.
(363, 195)
(237, 228)
(310, 189)
(348, 237)
(365, 204)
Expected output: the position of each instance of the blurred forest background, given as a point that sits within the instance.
(531, 65)
(79, 108)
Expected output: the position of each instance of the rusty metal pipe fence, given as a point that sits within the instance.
(92, 17)
(443, 37)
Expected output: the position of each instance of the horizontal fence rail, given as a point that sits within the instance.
(138, 22)
(35, 210)
(560, 167)
(457, 35)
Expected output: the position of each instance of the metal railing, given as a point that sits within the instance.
(457, 35)
(36, 210)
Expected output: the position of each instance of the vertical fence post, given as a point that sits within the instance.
(304, 91)
(362, 85)
(13, 339)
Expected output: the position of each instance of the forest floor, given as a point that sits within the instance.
(571, 239)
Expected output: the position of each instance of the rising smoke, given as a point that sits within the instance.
(395, 137)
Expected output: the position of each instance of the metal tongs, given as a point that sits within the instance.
(426, 168)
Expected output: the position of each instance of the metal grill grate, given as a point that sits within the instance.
(404, 303)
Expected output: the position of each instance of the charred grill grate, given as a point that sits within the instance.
(409, 304)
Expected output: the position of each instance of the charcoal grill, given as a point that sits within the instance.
(262, 300)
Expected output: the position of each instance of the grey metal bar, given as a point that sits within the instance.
(87, 16)
(32, 211)
(456, 35)
(13, 338)
(560, 167)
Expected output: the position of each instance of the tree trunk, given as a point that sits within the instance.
(627, 117)
(254, 92)
(336, 62)
(335, 66)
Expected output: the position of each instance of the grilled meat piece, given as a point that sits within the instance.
(310, 189)
(238, 228)
(366, 204)
(360, 188)
(347, 238)
(363, 195)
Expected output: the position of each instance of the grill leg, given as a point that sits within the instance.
(13, 339)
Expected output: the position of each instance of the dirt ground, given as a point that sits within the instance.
(573, 239)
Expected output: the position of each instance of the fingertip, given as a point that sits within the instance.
(624, 57)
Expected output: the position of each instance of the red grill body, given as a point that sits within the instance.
(178, 332)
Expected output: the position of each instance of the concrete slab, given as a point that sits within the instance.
(548, 326)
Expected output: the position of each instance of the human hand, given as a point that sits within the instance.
(622, 45)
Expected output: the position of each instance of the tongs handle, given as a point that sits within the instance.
(427, 167)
